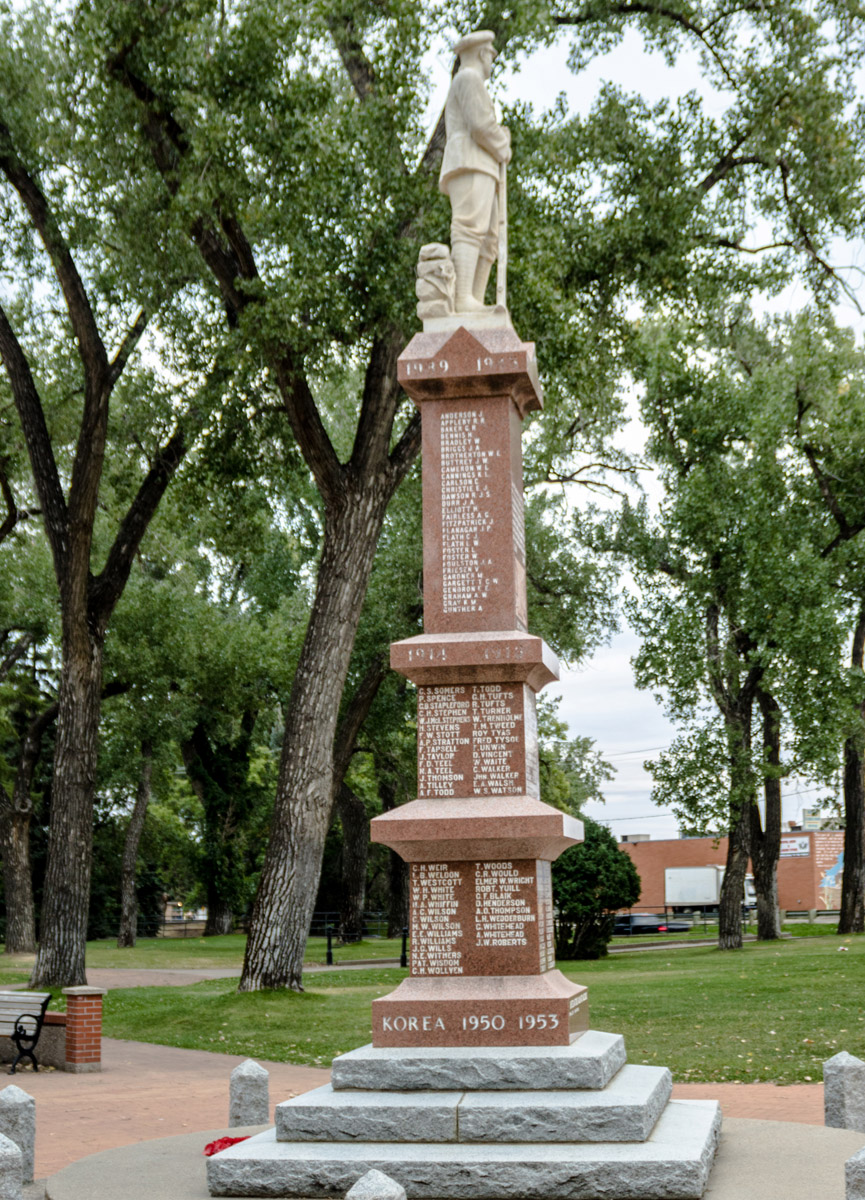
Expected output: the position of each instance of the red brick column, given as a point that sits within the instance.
(83, 1028)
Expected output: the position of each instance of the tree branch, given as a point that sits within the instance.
(81, 316)
(107, 587)
(229, 257)
(381, 398)
(672, 571)
(713, 660)
(642, 8)
(350, 48)
(41, 453)
(130, 341)
(729, 162)
(729, 244)
(11, 518)
(30, 750)
(807, 242)
(407, 448)
(845, 530)
(356, 712)
(17, 652)
(307, 427)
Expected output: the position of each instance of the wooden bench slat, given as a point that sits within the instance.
(21, 1017)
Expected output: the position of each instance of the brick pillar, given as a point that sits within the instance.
(83, 1028)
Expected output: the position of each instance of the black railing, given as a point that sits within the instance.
(374, 924)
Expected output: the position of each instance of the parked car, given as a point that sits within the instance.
(648, 923)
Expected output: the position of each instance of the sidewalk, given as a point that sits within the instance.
(146, 1091)
(142, 1092)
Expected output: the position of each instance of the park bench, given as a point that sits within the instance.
(22, 1015)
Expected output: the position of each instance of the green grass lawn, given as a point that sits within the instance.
(331, 1016)
(767, 1012)
(708, 931)
(215, 952)
(15, 969)
(204, 953)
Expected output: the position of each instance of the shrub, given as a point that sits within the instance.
(591, 882)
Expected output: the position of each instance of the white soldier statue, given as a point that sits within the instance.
(477, 150)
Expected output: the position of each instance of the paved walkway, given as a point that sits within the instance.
(146, 1091)
(142, 1092)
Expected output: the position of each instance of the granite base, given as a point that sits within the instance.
(484, 1123)
(673, 1163)
(589, 1062)
(625, 1111)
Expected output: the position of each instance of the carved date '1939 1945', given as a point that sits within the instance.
(441, 366)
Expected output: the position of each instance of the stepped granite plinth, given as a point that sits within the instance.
(479, 1123)
(589, 1062)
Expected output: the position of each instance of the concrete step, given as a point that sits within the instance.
(673, 1164)
(625, 1111)
(589, 1062)
(325, 1115)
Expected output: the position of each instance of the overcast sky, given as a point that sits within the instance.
(600, 700)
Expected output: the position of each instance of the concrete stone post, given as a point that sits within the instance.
(83, 1028)
(844, 1092)
(11, 1169)
(18, 1123)
(854, 1175)
(375, 1185)
(249, 1102)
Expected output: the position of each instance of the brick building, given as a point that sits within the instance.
(809, 871)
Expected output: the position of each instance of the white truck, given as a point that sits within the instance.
(698, 887)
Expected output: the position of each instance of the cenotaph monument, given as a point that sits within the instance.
(483, 1079)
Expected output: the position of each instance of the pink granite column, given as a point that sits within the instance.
(478, 838)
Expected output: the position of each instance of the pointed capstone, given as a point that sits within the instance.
(375, 1185)
(11, 1169)
(249, 1095)
(18, 1122)
(844, 1092)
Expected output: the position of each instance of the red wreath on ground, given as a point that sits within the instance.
(222, 1144)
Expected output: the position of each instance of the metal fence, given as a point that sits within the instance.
(374, 924)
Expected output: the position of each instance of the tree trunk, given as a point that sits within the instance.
(852, 916)
(766, 840)
(397, 868)
(217, 773)
(398, 895)
(220, 917)
(15, 838)
(289, 880)
(18, 883)
(128, 899)
(353, 863)
(61, 954)
(738, 846)
(733, 887)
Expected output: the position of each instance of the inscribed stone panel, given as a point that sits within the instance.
(477, 740)
(483, 918)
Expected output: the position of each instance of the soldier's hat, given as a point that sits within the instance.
(473, 41)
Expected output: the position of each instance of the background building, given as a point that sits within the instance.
(809, 871)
